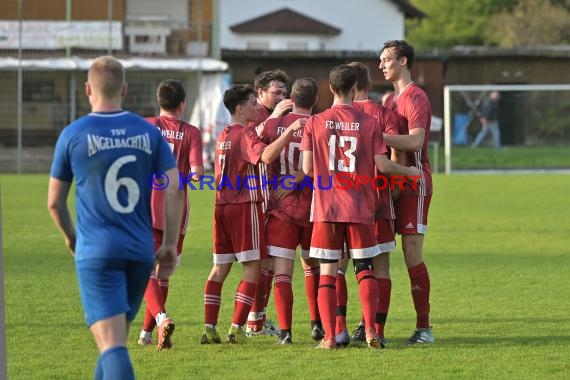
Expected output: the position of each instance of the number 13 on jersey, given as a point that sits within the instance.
(347, 142)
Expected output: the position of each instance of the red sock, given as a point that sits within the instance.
(244, 299)
(255, 319)
(384, 293)
(419, 280)
(327, 303)
(154, 299)
(312, 289)
(341, 301)
(164, 287)
(284, 300)
(368, 291)
(149, 321)
(212, 299)
(268, 287)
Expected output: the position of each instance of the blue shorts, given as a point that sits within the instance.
(110, 287)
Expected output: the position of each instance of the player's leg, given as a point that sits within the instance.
(341, 336)
(386, 237)
(223, 257)
(362, 247)
(257, 317)
(282, 239)
(326, 245)
(154, 298)
(111, 293)
(312, 271)
(412, 224)
(248, 239)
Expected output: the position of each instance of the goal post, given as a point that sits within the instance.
(542, 109)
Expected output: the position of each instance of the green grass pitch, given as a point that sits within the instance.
(498, 251)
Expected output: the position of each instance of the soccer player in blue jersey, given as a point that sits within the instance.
(112, 155)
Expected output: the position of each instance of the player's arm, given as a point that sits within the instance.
(166, 256)
(389, 167)
(198, 173)
(308, 163)
(409, 143)
(272, 151)
(58, 191)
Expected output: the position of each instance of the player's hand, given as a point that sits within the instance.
(414, 175)
(281, 193)
(396, 192)
(298, 124)
(284, 106)
(165, 261)
(70, 244)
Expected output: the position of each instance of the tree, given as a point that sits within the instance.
(452, 22)
(531, 23)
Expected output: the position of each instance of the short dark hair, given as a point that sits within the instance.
(170, 94)
(264, 79)
(342, 78)
(236, 95)
(402, 49)
(363, 81)
(304, 92)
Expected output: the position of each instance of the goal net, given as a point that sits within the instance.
(533, 125)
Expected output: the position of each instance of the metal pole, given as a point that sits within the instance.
(447, 128)
(110, 17)
(200, 26)
(19, 100)
(68, 19)
(214, 36)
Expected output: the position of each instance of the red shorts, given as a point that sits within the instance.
(385, 235)
(283, 237)
(238, 233)
(411, 214)
(328, 238)
(157, 238)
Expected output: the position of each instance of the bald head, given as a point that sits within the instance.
(106, 77)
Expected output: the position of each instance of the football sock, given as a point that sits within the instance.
(149, 321)
(420, 287)
(116, 364)
(163, 284)
(368, 292)
(244, 300)
(160, 317)
(312, 289)
(284, 300)
(327, 304)
(255, 320)
(154, 300)
(341, 301)
(384, 293)
(212, 299)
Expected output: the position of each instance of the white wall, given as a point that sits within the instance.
(363, 29)
(175, 10)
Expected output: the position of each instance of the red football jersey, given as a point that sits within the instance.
(413, 104)
(392, 124)
(185, 141)
(344, 142)
(238, 150)
(296, 206)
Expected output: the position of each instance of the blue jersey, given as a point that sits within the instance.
(112, 157)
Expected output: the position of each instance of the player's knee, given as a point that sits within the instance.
(361, 265)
